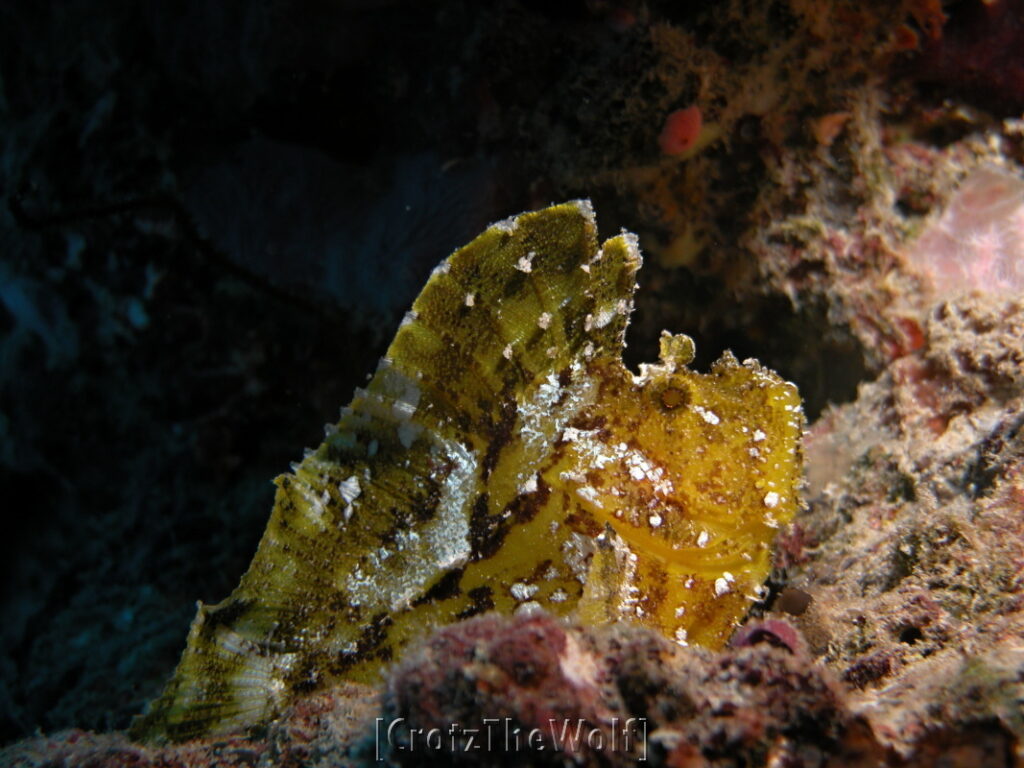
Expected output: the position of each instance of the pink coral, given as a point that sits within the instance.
(978, 242)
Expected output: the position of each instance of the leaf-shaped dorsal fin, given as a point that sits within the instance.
(524, 300)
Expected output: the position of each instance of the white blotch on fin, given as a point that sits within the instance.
(349, 489)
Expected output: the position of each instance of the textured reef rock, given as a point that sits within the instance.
(538, 693)
(915, 537)
(531, 690)
(912, 550)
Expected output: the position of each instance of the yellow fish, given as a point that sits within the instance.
(503, 458)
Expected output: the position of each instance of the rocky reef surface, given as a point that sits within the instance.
(531, 690)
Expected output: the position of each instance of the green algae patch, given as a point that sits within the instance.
(503, 458)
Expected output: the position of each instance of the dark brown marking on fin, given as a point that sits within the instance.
(446, 587)
(482, 600)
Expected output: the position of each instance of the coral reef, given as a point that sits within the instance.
(214, 214)
(916, 495)
(530, 690)
(631, 695)
(533, 690)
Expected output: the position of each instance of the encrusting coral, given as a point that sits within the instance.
(503, 457)
(915, 553)
(531, 690)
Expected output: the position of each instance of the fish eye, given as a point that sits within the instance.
(672, 397)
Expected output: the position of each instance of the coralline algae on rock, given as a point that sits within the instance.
(503, 457)
(531, 691)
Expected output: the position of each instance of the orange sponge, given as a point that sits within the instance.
(681, 130)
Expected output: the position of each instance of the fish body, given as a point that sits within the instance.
(503, 457)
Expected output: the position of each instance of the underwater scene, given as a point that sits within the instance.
(523, 383)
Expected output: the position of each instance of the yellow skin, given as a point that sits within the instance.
(503, 458)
